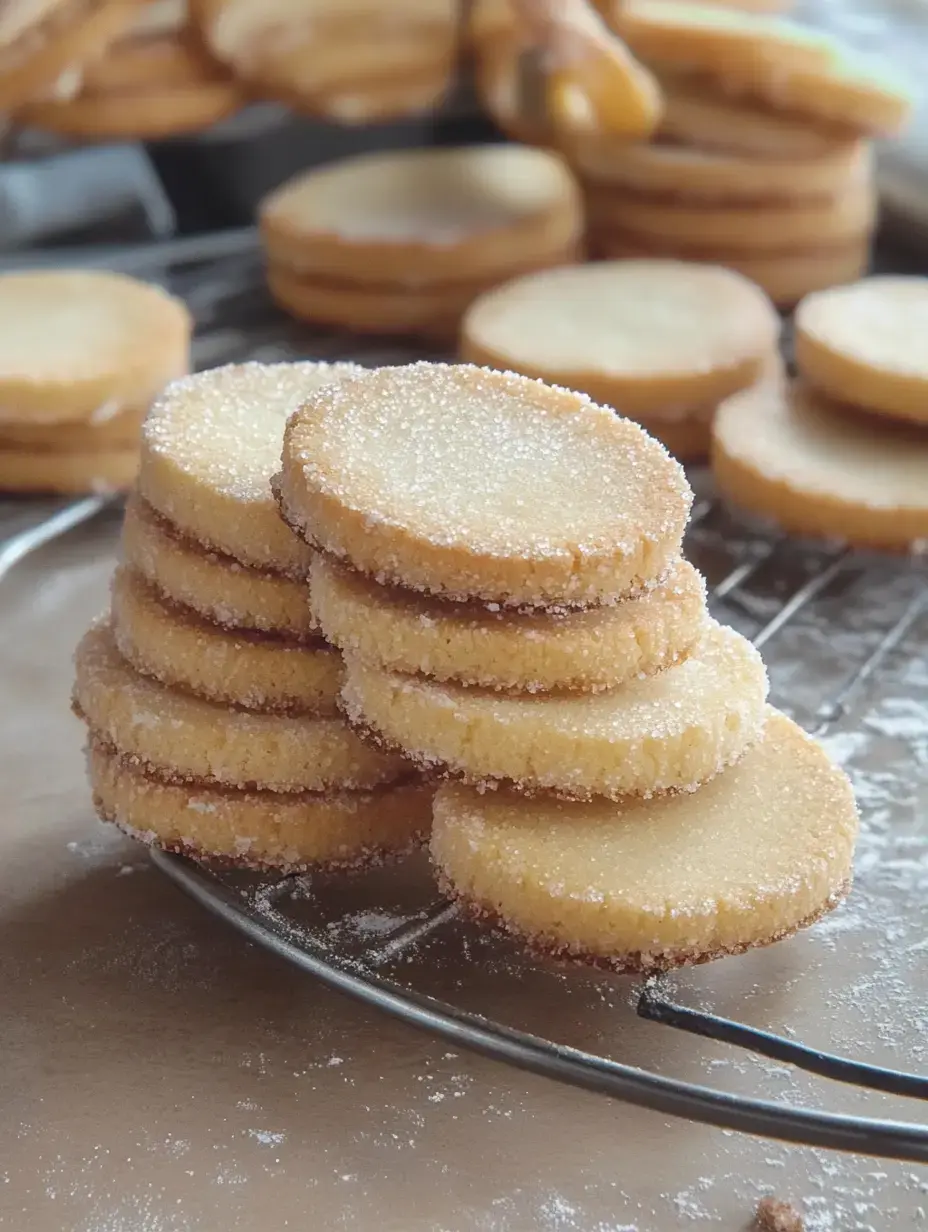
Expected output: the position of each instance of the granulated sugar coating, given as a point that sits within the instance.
(260, 829)
(761, 850)
(184, 738)
(817, 469)
(595, 648)
(209, 448)
(217, 587)
(477, 484)
(639, 335)
(255, 671)
(672, 730)
(433, 215)
(864, 344)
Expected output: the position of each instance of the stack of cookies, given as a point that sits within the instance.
(155, 80)
(763, 159)
(208, 693)
(82, 355)
(663, 342)
(842, 452)
(500, 564)
(354, 61)
(402, 242)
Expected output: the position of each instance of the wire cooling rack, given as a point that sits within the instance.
(845, 636)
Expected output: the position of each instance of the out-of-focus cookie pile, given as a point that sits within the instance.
(499, 562)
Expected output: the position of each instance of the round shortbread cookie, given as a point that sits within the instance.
(476, 484)
(368, 102)
(216, 587)
(209, 448)
(763, 849)
(669, 731)
(418, 216)
(253, 671)
(598, 648)
(141, 63)
(847, 89)
(260, 830)
(426, 312)
(864, 344)
(710, 38)
(642, 336)
(74, 343)
(784, 276)
(697, 117)
(117, 431)
(183, 738)
(687, 437)
(683, 173)
(67, 474)
(820, 470)
(151, 114)
(758, 228)
(71, 33)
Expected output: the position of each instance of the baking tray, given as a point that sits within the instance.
(845, 636)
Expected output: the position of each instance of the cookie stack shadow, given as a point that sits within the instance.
(208, 692)
(400, 243)
(500, 564)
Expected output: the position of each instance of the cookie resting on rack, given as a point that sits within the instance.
(468, 483)
(209, 447)
(185, 739)
(818, 469)
(211, 584)
(665, 732)
(595, 648)
(645, 336)
(864, 344)
(254, 671)
(260, 829)
(67, 474)
(762, 850)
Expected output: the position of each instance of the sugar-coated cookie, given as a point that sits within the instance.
(641, 336)
(209, 448)
(215, 586)
(254, 671)
(818, 469)
(76, 345)
(475, 484)
(260, 830)
(110, 429)
(669, 731)
(182, 738)
(410, 217)
(594, 649)
(865, 344)
(763, 849)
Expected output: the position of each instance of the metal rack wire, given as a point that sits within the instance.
(862, 611)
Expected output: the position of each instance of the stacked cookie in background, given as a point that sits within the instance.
(156, 79)
(350, 60)
(841, 452)
(500, 564)
(82, 356)
(208, 694)
(402, 242)
(763, 160)
(663, 342)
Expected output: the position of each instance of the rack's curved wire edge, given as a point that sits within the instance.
(643, 1088)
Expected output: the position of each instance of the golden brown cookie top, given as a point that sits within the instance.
(471, 483)
(209, 448)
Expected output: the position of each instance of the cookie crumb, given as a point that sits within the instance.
(775, 1216)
